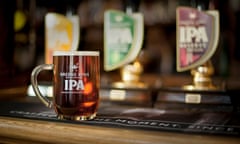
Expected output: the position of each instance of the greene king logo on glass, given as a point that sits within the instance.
(74, 80)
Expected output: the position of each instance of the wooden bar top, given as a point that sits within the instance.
(23, 130)
(17, 130)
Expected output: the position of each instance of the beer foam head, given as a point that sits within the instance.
(77, 53)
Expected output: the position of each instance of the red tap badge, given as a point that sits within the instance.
(197, 37)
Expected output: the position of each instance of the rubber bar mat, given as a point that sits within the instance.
(181, 120)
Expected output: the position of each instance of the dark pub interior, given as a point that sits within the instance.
(174, 80)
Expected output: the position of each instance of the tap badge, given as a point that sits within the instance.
(61, 33)
(197, 37)
(123, 37)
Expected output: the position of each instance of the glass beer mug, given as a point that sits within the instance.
(76, 82)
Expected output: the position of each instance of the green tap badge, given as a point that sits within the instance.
(123, 37)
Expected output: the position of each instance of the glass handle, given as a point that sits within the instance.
(34, 82)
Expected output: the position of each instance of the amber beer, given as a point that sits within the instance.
(76, 79)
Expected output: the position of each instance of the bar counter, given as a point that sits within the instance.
(16, 130)
(30, 130)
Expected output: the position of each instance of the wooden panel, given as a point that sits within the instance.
(14, 130)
